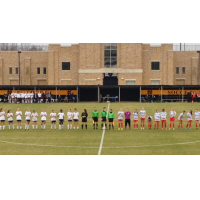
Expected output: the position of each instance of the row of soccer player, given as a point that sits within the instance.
(74, 116)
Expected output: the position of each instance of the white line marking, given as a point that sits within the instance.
(61, 146)
(102, 137)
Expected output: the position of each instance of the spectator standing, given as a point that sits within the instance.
(71, 96)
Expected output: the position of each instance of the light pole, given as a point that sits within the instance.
(19, 64)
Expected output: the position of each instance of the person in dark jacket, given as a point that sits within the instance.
(44, 97)
(59, 98)
(189, 97)
(35, 97)
(71, 96)
(49, 96)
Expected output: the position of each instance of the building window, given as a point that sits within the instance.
(177, 70)
(130, 82)
(65, 65)
(10, 70)
(44, 70)
(183, 70)
(38, 70)
(110, 55)
(16, 70)
(155, 82)
(155, 65)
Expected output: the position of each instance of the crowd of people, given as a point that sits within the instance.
(35, 97)
(193, 96)
(105, 117)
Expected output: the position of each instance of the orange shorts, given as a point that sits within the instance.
(136, 120)
(142, 119)
(120, 120)
(172, 119)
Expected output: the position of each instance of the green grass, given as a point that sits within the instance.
(87, 142)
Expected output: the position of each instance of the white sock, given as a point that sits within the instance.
(25, 126)
(17, 127)
(44, 126)
(3, 127)
(31, 101)
(36, 126)
(68, 126)
(60, 127)
(33, 127)
(71, 126)
(9, 127)
(13, 126)
(41, 126)
(51, 126)
(55, 126)
(20, 127)
(77, 127)
(0, 127)
(74, 127)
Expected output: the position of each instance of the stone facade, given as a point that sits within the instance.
(87, 65)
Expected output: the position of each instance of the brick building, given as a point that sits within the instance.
(101, 64)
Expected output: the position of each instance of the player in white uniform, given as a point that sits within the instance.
(26, 97)
(157, 119)
(34, 116)
(189, 120)
(13, 97)
(53, 119)
(22, 96)
(69, 117)
(76, 115)
(29, 96)
(2, 119)
(10, 119)
(120, 119)
(180, 120)
(19, 118)
(172, 118)
(18, 97)
(142, 117)
(61, 116)
(28, 118)
(149, 120)
(163, 115)
(197, 114)
(39, 97)
(43, 115)
(135, 119)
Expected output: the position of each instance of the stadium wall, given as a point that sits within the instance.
(87, 65)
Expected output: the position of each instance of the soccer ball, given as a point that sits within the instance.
(104, 128)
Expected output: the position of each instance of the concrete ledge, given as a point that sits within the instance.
(13, 79)
(130, 79)
(90, 79)
(109, 70)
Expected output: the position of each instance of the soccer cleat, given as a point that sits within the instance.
(178, 128)
(141, 127)
(165, 128)
(118, 129)
(169, 128)
(189, 128)
(186, 128)
(197, 128)
(162, 128)
(122, 129)
(173, 129)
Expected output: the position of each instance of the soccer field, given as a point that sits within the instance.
(87, 142)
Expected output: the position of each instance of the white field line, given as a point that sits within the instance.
(83, 147)
(102, 137)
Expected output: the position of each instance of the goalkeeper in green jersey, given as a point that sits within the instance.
(103, 117)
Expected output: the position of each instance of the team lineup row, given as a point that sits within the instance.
(105, 116)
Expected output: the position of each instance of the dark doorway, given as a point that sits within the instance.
(110, 92)
(110, 79)
(88, 94)
(129, 94)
